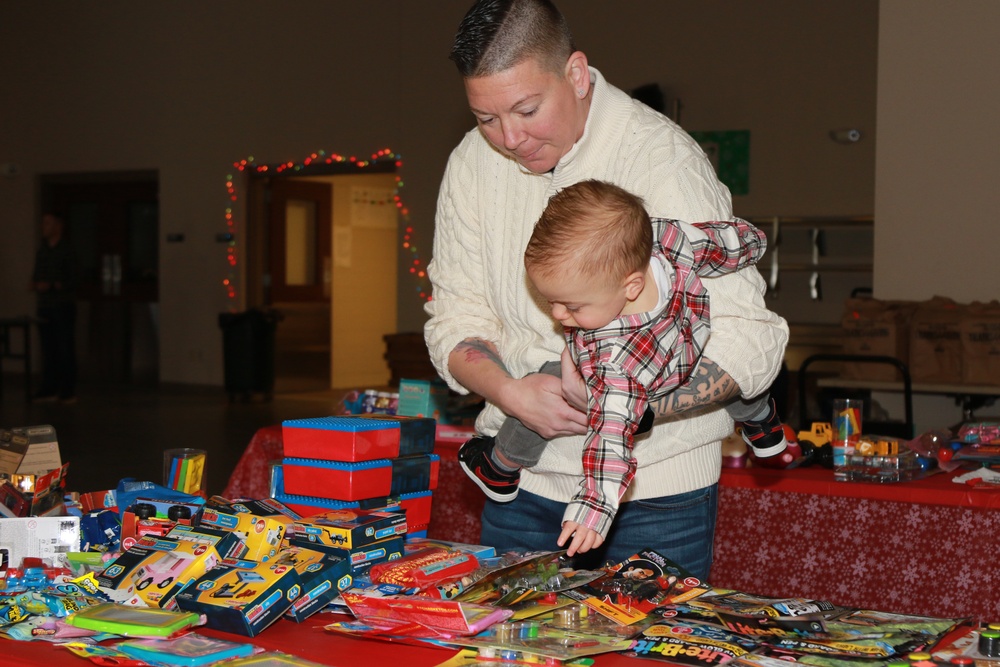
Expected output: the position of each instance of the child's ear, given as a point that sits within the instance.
(634, 284)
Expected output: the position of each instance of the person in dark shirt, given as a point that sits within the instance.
(54, 282)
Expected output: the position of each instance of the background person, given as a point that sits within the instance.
(54, 282)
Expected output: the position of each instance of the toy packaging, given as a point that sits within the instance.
(417, 616)
(349, 529)
(272, 659)
(156, 569)
(422, 569)
(38, 537)
(242, 597)
(28, 450)
(423, 398)
(133, 621)
(417, 505)
(358, 481)
(323, 575)
(357, 437)
(261, 535)
(638, 585)
(226, 543)
(190, 650)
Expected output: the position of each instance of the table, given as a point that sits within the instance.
(306, 640)
(970, 396)
(23, 324)
(925, 547)
(457, 501)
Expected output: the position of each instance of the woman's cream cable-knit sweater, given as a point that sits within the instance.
(486, 209)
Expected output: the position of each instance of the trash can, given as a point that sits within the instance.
(248, 352)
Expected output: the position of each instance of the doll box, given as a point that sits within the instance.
(357, 437)
(157, 569)
(357, 481)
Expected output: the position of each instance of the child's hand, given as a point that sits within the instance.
(584, 539)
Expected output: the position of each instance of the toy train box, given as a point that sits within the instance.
(261, 535)
(323, 573)
(357, 481)
(361, 558)
(266, 507)
(357, 437)
(348, 529)
(243, 597)
(417, 505)
(226, 543)
(155, 570)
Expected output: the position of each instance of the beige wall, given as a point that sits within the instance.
(187, 88)
(939, 135)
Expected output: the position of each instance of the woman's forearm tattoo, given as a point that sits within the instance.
(709, 384)
(477, 349)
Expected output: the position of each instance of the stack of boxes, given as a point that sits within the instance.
(372, 462)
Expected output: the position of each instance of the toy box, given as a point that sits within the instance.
(349, 529)
(357, 481)
(98, 500)
(361, 558)
(266, 507)
(150, 516)
(423, 398)
(417, 505)
(261, 535)
(323, 573)
(156, 570)
(37, 537)
(357, 437)
(28, 450)
(242, 597)
(226, 543)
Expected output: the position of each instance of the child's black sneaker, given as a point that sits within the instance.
(497, 484)
(766, 438)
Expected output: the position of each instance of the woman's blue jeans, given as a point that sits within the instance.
(680, 527)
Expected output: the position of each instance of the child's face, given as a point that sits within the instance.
(580, 302)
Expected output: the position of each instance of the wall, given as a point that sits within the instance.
(936, 173)
(188, 88)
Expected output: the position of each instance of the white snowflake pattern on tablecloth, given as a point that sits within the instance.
(859, 552)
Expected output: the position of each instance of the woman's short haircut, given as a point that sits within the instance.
(496, 35)
(592, 229)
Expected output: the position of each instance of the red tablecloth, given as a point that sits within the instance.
(924, 547)
(306, 640)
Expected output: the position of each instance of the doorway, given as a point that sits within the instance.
(322, 252)
(112, 221)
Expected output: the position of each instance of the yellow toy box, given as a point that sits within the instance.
(155, 570)
(243, 597)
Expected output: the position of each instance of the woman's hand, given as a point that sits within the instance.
(537, 400)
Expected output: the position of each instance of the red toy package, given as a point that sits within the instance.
(424, 568)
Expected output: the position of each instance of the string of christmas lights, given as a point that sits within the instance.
(417, 268)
